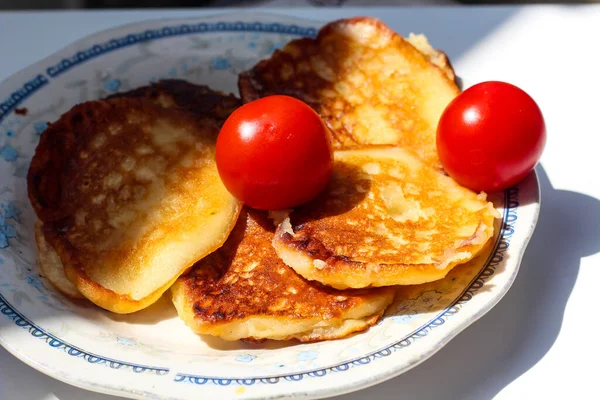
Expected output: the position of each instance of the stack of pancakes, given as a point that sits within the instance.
(130, 204)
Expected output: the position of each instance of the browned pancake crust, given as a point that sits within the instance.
(370, 85)
(170, 93)
(54, 165)
(384, 219)
(245, 278)
(198, 99)
(83, 198)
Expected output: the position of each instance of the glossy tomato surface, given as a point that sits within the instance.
(491, 136)
(274, 153)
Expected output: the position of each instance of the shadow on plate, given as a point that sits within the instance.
(438, 295)
(217, 343)
(162, 310)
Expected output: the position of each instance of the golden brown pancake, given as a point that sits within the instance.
(197, 99)
(129, 197)
(370, 85)
(244, 291)
(385, 218)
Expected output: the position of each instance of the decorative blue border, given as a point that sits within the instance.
(40, 80)
(170, 31)
(17, 97)
(20, 320)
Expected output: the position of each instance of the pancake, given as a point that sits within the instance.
(385, 218)
(129, 197)
(370, 85)
(198, 99)
(244, 291)
(51, 266)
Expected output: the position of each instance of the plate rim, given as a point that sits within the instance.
(261, 17)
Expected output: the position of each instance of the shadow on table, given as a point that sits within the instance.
(519, 331)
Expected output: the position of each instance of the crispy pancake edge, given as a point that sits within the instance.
(311, 259)
(302, 255)
(437, 58)
(49, 261)
(227, 330)
(311, 312)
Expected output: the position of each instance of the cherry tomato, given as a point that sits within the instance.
(491, 136)
(274, 153)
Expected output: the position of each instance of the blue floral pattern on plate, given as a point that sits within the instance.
(9, 153)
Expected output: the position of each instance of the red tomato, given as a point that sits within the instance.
(491, 136)
(274, 153)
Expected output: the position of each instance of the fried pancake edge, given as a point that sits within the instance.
(51, 266)
(295, 253)
(244, 291)
(277, 329)
(435, 57)
(108, 299)
(420, 42)
(314, 261)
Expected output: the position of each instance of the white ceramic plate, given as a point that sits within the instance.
(152, 354)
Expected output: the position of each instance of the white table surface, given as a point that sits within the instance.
(541, 340)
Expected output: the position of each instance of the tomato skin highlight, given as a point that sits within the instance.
(274, 153)
(491, 136)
